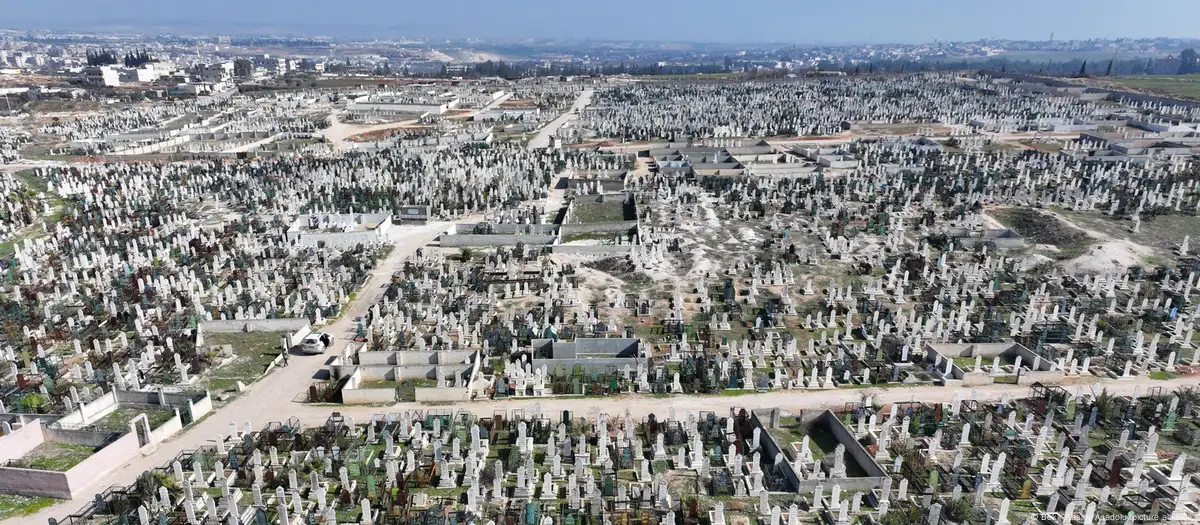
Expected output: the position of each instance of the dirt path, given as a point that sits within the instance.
(339, 131)
(542, 139)
(268, 401)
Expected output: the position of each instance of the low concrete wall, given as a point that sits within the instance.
(770, 449)
(367, 396)
(396, 373)
(406, 358)
(507, 229)
(21, 441)
(495, 240)
(169, 428)
(597, 250)
(293, 339)
(34, 483)
(100, 464)
(255, 325)
(598, 227)
(443, 394)
(202, 407)
(88, 413)
(341, 240)
(69, 484)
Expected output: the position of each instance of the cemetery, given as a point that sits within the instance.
(1020, 248)
(1052, 455)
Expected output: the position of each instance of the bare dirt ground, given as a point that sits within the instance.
(1109, 255)
(338, 132)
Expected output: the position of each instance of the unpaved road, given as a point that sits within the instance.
(270, 400)
(339, 131)
(542, 139)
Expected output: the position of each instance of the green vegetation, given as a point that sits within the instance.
(59, 208)
(380, 383)
(592, 212)
(56, 457)
(118, 420)
(253, 351)
(17, 506)
(1040, 228)
(598, 236)
(1161, 232)
(1163, 375)
(408, 387)
(33, 402)
(1187, 86)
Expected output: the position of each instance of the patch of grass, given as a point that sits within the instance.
(17, 506)
(1163, 375)
(408, 388)
(253, 351)
(382, 383)
(593, 212)
(598, 236)
(1040, 228)
(55, 457)
(1161, 232)
(1187, 86)
(1048, 147)
(118, 420)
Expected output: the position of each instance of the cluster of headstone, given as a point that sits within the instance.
(647, 111)
(11, 141)
(23, 207)
(1081, 458)
(130, 118)
(134, 266)
(809, 329)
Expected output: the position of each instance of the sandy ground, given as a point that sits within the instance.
(339, 131)
(1110, 255)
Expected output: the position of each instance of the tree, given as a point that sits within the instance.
(1108, 72)
(138, 58)
(1083, 69)
(102, 57)
(1187, 62)
(242, 68)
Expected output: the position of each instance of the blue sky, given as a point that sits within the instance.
(799, 21)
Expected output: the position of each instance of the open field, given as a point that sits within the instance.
(1163, 233)
(1187, 86)
(1040, 228)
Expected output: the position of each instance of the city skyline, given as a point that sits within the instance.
(699, 21)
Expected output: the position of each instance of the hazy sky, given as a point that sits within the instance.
(799, 21)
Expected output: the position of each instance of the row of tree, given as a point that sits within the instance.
(1186, 63)
(108, 57)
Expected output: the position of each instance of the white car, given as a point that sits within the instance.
(315, 343)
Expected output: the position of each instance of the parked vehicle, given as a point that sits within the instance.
(316, 343)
